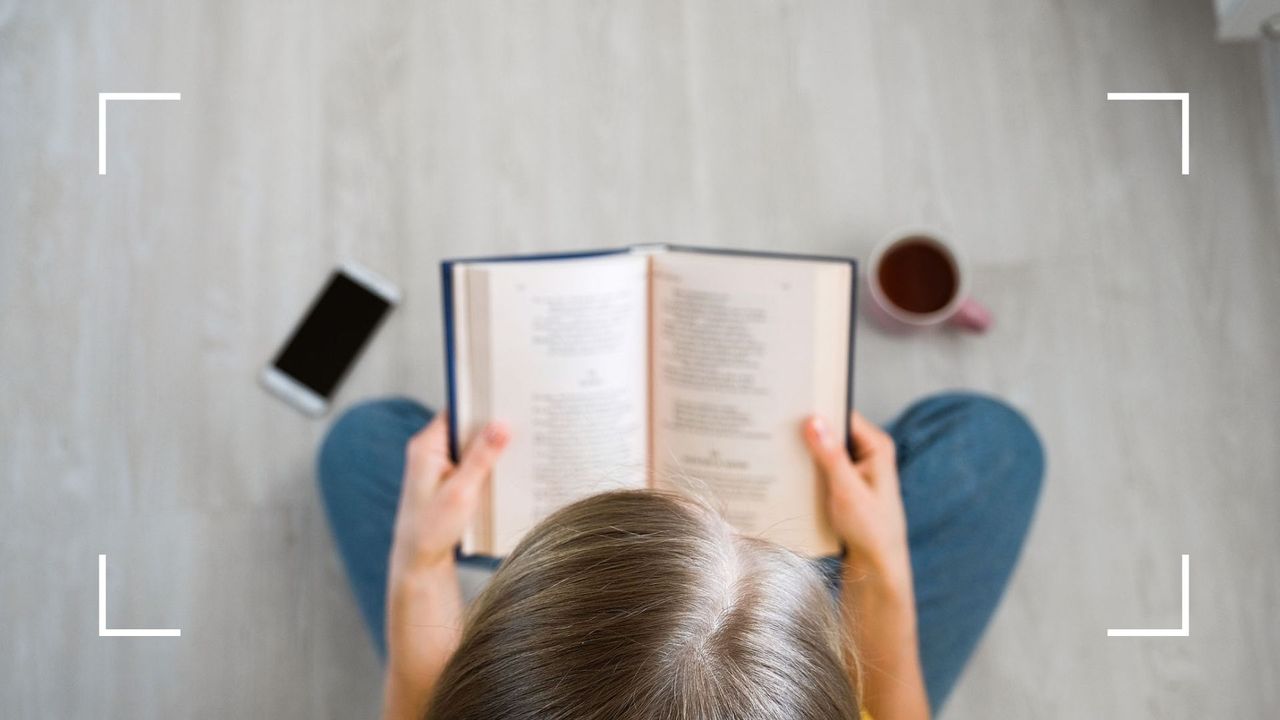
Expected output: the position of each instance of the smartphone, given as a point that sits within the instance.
(326, 342)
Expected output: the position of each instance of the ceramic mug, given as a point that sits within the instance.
(916, 279)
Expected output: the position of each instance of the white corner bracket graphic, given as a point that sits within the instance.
(104, 631)
(103, 97)
(1183, 631)
(1184, 98)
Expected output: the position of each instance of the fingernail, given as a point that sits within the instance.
(496, 434)
(819, 427)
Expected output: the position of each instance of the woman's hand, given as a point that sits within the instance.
(437, 499)
(424, 599)
(864, 502)
(877, 597)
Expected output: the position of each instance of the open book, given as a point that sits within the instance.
(653, 366)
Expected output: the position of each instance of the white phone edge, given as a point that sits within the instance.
(295, 393)
(372, 281)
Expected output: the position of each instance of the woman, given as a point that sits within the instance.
(644, 605)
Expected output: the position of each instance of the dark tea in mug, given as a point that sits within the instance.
(918, 275)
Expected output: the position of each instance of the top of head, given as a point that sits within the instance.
(647, 605)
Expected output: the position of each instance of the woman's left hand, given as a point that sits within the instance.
(437, 498)
(424, 599)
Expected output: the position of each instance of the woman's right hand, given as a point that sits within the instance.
(865, 507)
(864, 502)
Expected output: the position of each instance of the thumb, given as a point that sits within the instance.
(826, 448)
(482, 454)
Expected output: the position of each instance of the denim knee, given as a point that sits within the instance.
(981, 421)
(997, 422)
(353, 433)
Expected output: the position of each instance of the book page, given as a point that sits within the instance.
(744, 349)
(470, 401)
(567, 370)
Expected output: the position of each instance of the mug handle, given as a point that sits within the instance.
(971, 315)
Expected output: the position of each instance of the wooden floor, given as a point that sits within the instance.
(1136, 307)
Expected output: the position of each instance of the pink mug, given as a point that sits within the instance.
(917, 280)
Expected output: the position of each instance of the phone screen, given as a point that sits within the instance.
(338, 325)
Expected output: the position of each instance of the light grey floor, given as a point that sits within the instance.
(1136, 307)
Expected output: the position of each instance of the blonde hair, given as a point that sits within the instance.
(641, 604)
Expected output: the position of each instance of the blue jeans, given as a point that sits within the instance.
(970, 469)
